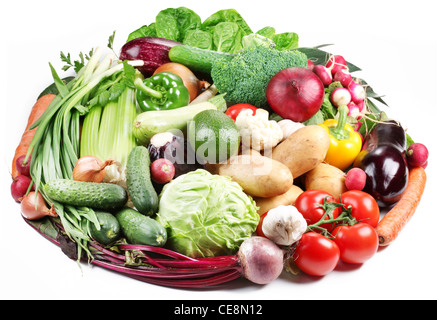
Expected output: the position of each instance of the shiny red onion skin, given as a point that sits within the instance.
(295, 93)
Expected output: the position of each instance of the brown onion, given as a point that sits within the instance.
(90, 169)
(34, 207)
(191, 82)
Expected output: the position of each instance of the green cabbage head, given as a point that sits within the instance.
(206, 215)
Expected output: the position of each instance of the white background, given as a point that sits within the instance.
(392, 41)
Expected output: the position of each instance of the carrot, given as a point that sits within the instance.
(37, 110)
(392, 223)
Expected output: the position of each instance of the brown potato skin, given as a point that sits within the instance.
(303, 150)
(327, 178)
(285, 199)
(259, 176)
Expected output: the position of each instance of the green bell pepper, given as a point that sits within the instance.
(162, 91)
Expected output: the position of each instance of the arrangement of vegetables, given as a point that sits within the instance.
(206, 151)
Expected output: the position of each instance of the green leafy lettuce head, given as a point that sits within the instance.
(206, 215)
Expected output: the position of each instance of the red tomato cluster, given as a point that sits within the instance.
(356, 242)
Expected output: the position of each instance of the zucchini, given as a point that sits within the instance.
(110, 230)
(139, 183)
(197, 59)
(103, 196)
(141, 229)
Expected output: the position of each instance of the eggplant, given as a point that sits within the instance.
(387, 174)
(152, 50)
(176, 149)
(387, 133)
(383, 160)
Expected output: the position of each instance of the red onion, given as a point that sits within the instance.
(295, 93)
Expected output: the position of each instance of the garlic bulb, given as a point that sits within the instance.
(288, 127)
(284, 225)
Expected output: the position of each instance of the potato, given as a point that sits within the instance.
(328, 178)
(259, 176)
(303, 150)
(287, 198)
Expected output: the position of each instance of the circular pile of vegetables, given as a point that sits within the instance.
(203, 153)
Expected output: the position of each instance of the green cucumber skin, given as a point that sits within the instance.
(141, 229)
(103, 196)
(110, 230)
(139, 183)
(196, 59)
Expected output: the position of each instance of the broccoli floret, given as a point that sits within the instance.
(244, 79)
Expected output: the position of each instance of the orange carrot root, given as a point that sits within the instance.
(394, 221)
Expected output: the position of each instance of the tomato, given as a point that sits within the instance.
(316, 254)
(357, 243)
(259, 230)
(234, 111)
(308, 205)
(364, 206)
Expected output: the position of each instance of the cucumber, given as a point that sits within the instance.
(139, 183)
(197, 59)
(103, 196)
(141, 229)
(110, 230)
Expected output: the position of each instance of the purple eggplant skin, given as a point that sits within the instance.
(386, 133)
(387, 174)
(152, 50)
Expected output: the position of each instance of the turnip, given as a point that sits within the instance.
(357, 92)
(340, 96)
(417, 155)
(323, 73)
(355, 179)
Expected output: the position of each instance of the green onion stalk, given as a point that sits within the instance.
(55, 147)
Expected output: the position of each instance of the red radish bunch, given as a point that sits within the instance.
(22, 182)
(351, 93)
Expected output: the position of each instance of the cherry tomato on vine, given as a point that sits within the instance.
(234, 111)
(357, 243)
(316, 255)
(307, 203)
(364, 206)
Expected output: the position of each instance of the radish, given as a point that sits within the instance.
(310, 65)
(23, 168)
(355, 179)
(357, 92)
(336, 63)
(344, 77)
(354, 110)
(323, 73)
(162, 171)
(340, 96)
(417, 155)
(295, 93)
(19, 187)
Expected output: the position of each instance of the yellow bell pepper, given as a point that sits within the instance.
(345, 143)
